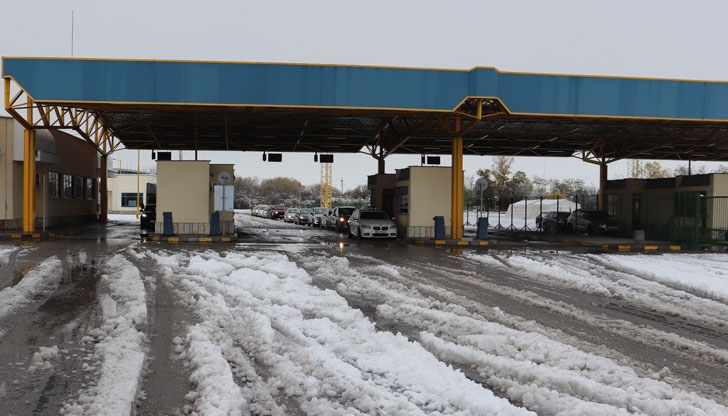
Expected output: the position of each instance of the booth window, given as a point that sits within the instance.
(90, 191)
(67, 186)
(129, 199)
(403, 199)
(612, 205)
(78, 187)
(53, 185)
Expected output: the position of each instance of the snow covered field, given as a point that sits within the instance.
(366, 328)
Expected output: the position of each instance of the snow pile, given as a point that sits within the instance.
(120, 346)
(42, 360)
(286, 341)
(125, 218)
(538, 370)
(44, 277)
(246, 220)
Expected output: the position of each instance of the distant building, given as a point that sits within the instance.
(66, 179)
(122, 190)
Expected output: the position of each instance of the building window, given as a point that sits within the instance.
(78, 187)
(403, 199)
(37, 180)
(90, 189)
(67, 186)
(53, 185)
(129, 200)
(612, 205)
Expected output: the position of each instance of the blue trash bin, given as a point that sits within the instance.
(215, 223)
(168, 227)
(482, 228)
(439, 227)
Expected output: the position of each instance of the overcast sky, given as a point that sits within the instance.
(672, 39)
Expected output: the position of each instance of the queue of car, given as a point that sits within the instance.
(355, 222)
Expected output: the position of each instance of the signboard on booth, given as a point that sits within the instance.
(224, 197)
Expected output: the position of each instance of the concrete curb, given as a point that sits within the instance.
(37, 236)
(663, 247)
(191, 239)
(455, 243)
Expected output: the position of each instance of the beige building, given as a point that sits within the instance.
(66, 182)
(414, 195)
(666, 208)
(122, 190)
(188, 190)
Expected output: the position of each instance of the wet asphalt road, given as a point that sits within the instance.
(64, 316)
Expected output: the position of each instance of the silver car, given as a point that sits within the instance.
(290, 215)
(316, 216)
(371, 223)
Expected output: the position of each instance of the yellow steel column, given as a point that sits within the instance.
(104, 208)
(29, 174)
(456, 212)
(29, 182)
(603, 186)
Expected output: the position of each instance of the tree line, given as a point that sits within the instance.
(251, 191)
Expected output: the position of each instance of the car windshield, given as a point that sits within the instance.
(345, 211)
(320, 210)
(373, 215)
(293, 210)
(279, 207)
(594, 214)
(305, 211)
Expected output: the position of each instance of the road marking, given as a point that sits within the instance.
(675, 248)
(205, 239)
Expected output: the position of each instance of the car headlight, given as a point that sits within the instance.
(341, 219)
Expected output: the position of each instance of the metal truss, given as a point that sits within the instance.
(34, 115)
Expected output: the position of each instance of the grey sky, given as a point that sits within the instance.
(671, 39)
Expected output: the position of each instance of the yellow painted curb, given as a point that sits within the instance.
(650, 248)
(495, 242)
(36, 235)
(605, 247)
(440, 242)
(51, 235)
(463, 243)
(173, 240)
(16, 236)
(624, 248)
(483, 243)
(566, 241)
(205, 239)
(419, 241)
(226, 239)
(585, 243)
(675, 248)
(155, 238)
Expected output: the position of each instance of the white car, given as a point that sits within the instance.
(371, 223)
(316, 216)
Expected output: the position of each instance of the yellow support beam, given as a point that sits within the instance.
(456, 211)
(29, 182)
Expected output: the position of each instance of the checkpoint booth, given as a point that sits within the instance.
(414, 195)
(196, 193)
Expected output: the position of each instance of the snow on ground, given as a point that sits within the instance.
(288, 343)
(703, 274)
(5, 253)
(123, 218)
(43, 359)
(538, 370)
(44, 277)
(246, 220)
(120, 348)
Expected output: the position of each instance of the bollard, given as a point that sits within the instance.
(168, 228)
(482, 228)
(215, 223)
(439, 227)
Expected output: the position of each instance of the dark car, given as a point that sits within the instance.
(301, 217)
(339, 219)
(553, 221)
(148, 216)
(276, 211)
(591, 222)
